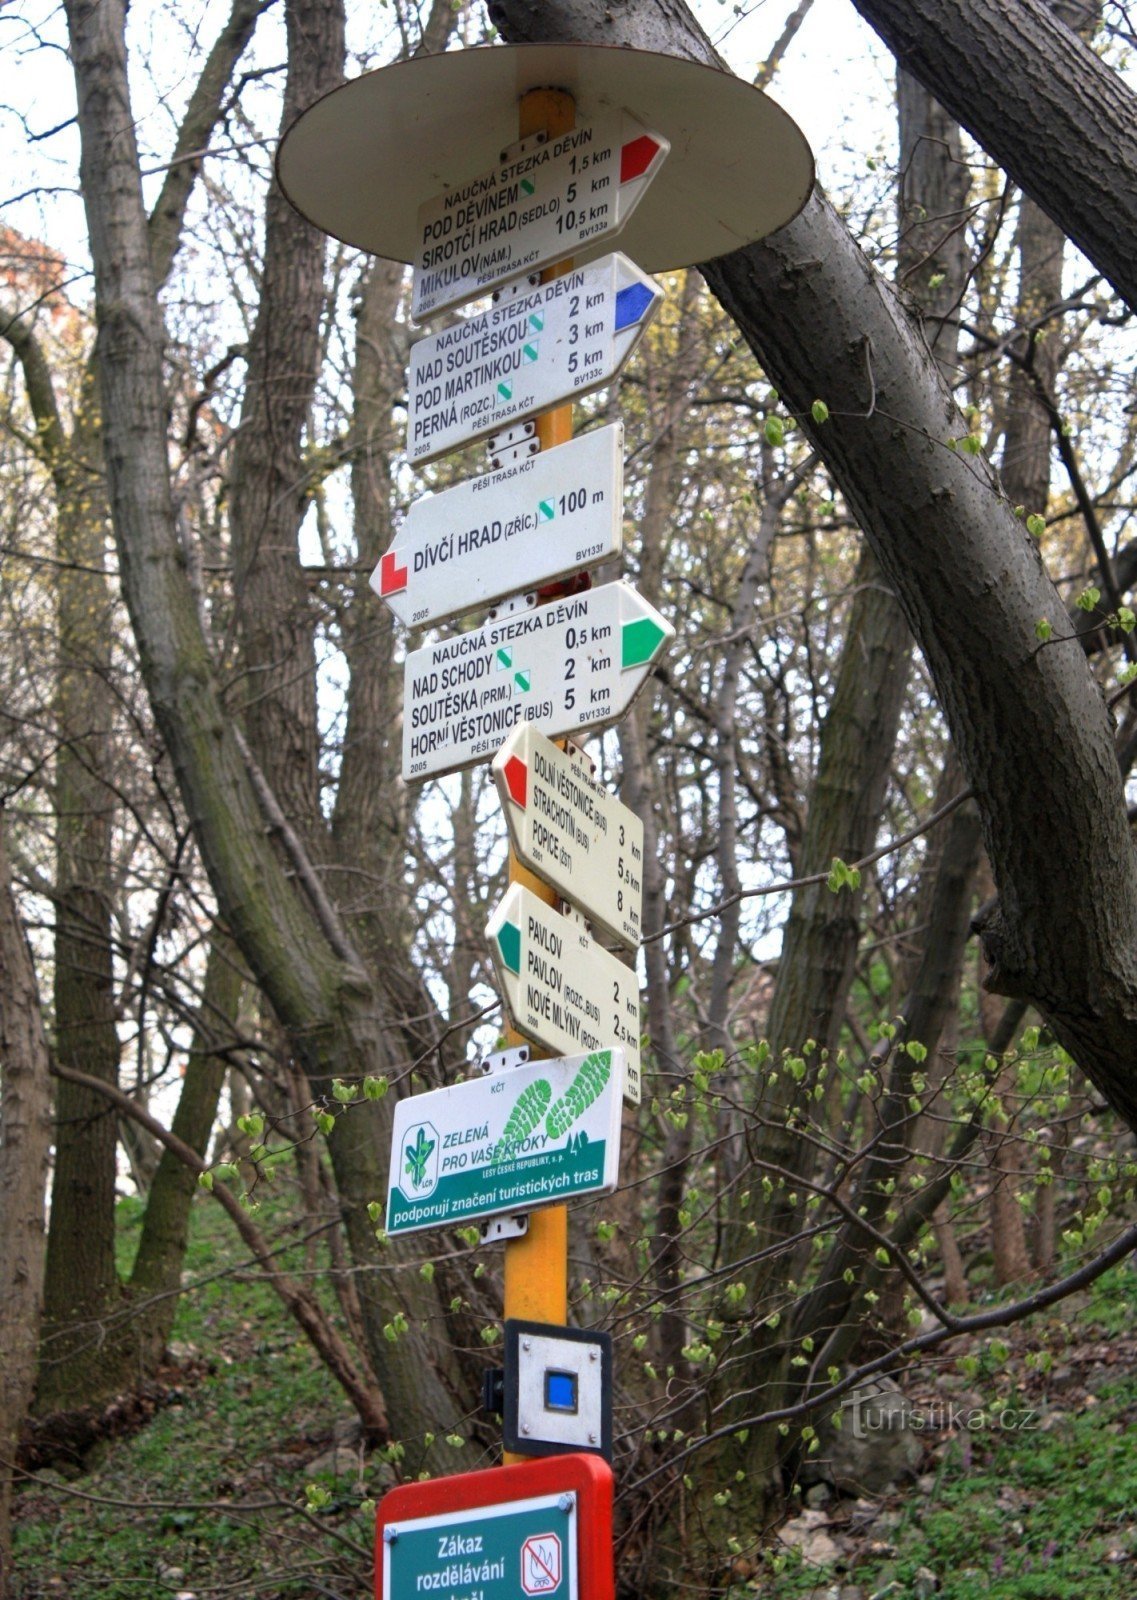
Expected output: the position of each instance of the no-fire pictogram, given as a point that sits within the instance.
(541, 1563)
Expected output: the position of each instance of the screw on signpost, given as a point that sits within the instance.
(536, 1265)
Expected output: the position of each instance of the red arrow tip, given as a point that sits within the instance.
(637, 156)
(517, 780)
(392, 577)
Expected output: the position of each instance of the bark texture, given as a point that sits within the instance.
(25, 1136)
(1038, 99)
(932, 267)
(157, 1269)
(270, 490)
(81, 1282)
(1030, 725)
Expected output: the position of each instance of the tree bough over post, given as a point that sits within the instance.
(1030, 725)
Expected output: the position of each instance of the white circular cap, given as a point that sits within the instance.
(361, 161)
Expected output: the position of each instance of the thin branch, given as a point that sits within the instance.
(788, 884)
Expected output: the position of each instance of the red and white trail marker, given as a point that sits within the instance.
(541, 204)
(571, 832)
(510, 531)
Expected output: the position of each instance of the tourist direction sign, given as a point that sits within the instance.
(510, 531)
(561, 988)
(571, 832)
(573, 664)
(539, 1527)
(537, 206)
(535, 349)
(519, 1138)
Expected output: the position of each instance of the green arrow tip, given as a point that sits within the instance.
(509, 943)
(640, 642)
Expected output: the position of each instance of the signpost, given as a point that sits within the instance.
(568, 829)
(575, 663)
(541, 1528)
(521, 1137)
(533, 350)
(561, 988)
(358, 164)
(510, 531)
(545, 199)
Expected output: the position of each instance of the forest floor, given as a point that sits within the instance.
(210, 1499)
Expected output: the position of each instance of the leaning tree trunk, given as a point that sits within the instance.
(25, 1137)
(932, 269)
(157, 1269)
(1030, 726)
(81, 1281)
(276, 619)
(1038, 99)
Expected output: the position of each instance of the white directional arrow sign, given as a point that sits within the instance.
(533, 350)
(561, 988)
(572, 664)
(571, 832)
(538, 206)
(510, 531)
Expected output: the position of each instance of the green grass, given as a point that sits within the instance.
(179, 1494)
(1082, 1486)
(1033, 1515)
(242, 1432)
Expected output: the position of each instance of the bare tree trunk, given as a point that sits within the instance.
(944, 898)
(956, 1292)
(1004, 1152)
(1008, 1228)
(279, 914)
(1025, 470)
(165, 1227)
(270, 487)
(1062, 122)
(81, 1282)
(25, 1136)
(80, 1278)
(641, 791)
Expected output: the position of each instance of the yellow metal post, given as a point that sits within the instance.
(536, 1265)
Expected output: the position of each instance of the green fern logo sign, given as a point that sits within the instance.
(421, 1164)
(520, 1138)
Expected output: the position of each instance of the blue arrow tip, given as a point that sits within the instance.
(631, 303)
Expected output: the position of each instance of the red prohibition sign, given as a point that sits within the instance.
(541, 1563)
(583, 1480)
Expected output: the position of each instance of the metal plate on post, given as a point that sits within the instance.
(561, 988)
(508, 531)
(572, 833)
(534, 207)
(573, 664)
(359, 161)
(557, 1389)
(534, 350)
